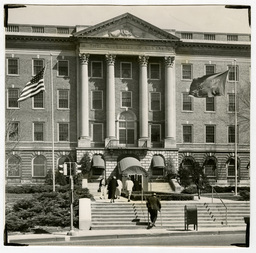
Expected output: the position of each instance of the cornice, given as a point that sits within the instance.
(38, 38)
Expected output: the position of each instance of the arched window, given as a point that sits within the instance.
(231, 167)
(39, 166)
(127, 129)
(14, 166)
(210, 167)
(188, 164)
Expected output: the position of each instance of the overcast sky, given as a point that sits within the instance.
(186, 18)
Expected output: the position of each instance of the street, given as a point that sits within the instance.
(216, 240)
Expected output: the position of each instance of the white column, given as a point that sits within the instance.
(84, 102)
(143, 100)
(110, 97)
(170, 103)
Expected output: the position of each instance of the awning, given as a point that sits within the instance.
(158, 161)
(128, 162)
(98, 162)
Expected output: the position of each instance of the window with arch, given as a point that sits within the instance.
(188, 164)
(127, 128)
(39, 166)
(231, 167)
(210, 167)
(14, 166)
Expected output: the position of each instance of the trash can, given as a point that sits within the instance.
(190, 214)
(247, 236)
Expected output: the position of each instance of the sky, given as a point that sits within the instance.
(211, 18)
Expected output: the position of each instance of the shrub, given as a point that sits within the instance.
(245, 195)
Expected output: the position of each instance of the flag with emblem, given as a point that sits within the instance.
(209, 85)
(34, 86)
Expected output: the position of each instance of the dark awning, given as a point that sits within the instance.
(98, 162)
(158, 161)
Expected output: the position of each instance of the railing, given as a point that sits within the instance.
(116, 144)
(213, 190)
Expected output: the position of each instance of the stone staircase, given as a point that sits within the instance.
(134, 215)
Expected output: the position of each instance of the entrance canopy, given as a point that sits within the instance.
(98, 162)
(130, 165)
(158, 161)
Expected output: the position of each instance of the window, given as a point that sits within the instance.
(210, 134)
(188, 164)
(232, 133)
(154, 71)
(155, 99)
(126, 99)
(13, 131)
(96, 69)
(186, 71)
(209, 36)
(187, 134)
(231, 102)
(97, 132)
(13, 67)
(209, 69)
(233, 73)
(38, 131)
(14, 166)
(210, 104)
(186, 102)
(127, 128)
(232, 38)
(63, 132)
(38, 64)
(38, 100)
(231, 167)
(126, 70)
(63, 99)
(97, 100)
(210, 167)
(156, 133)
(39, 166)
(187, 36)
(13, 95)
(63, 68)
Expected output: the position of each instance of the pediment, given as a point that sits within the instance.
(126, 26)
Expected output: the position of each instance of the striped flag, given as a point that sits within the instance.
(209, 85)
(33, 87)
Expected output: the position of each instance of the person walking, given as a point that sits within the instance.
(102, 187)
(154, 206)
(119, 188)
(129, 186)
(112, 189)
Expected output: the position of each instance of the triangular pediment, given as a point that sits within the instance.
(126, 26)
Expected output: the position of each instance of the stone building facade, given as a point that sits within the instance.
(117, 92)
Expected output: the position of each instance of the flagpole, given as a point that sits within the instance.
(235, 130)
(53, 163)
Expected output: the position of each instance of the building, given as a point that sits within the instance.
(119, 93)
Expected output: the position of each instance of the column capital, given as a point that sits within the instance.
(143, 59)
(84, 58)
(169, 61)
(110, 58)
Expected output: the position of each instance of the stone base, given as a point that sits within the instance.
(84, 142)
(170, 143)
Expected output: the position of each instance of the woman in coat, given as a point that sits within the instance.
(112, 189)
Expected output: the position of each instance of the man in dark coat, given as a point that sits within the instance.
(112, 189)
(153, 205)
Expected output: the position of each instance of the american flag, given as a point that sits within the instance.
(33, 87)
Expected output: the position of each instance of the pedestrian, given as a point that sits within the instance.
(112, 189)
(199, 185)
(129, 186)
(119, 188)
(102, 188)
(154, 206)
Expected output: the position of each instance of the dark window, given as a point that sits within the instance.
(37, 66)
(187, 102)
(210, 167)
(38, 131)
(210, 107)
(154, 71)
(210, 134)
(62, 68)
(63, 99)
(63, 132)
(126, 70)
(97, 103)
(13, 131)
(187, 134)
(96, 69)
(231, 103)
(209, 69)
(39, 100)
(13, 67)
(155, 133)
(14, 165)
(232, 133)
(13, 95)
(187, 71)
(233, 73)
(126, 99)
(231, 167)
(97, 133)
(155, 101)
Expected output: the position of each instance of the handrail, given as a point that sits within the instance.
(221, 202)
